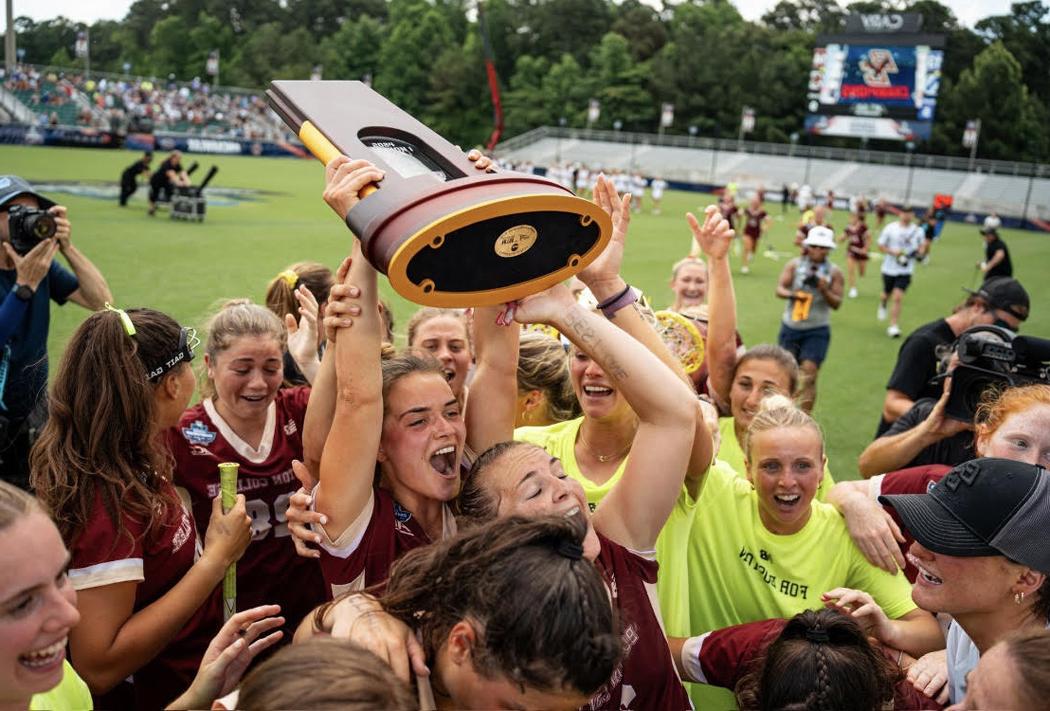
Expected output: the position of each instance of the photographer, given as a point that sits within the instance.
(813, 286)
(32, 229)
(902, 242)
(129, 178)
(169, 175)
(1000, 302)
(927, 434)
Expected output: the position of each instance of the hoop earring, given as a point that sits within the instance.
(1019, 598)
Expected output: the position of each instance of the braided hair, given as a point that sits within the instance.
(821, 661)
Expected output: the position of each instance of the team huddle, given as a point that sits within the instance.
(569, 502)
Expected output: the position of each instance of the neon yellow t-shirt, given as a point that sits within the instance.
(672, 554)
(71, 694)
(740, 572)
(731, 453)
(559, 440)
(672, 548)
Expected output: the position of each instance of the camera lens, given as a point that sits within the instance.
(42, 226)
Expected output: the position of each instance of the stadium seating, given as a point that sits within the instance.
(976, 192)
(65, 97)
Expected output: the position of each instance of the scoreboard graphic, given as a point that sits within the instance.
(883, 91)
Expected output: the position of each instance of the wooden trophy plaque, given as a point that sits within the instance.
(444, 233)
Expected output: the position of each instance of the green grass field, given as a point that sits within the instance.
(184, 269)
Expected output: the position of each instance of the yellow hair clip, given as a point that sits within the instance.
(290, 278)
(125, 320)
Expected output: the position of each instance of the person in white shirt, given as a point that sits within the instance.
(656, 188)
(638, 184)
(902, 242)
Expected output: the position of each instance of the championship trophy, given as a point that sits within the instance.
(444, 233)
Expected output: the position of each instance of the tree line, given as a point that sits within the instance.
(554, 56)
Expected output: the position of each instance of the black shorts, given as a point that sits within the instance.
(889, 283)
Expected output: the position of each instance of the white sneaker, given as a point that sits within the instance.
(745, 269)
(893, 331)
(853, 293)
(881, 313)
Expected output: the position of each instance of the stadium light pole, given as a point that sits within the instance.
(911, 170)
(9, 38)
(557, 145)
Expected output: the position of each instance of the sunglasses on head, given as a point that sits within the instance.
(188, 342)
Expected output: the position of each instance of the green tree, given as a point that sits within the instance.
(168, 46)
(418, 36)
(809, 15)
(1013, 125)
(620, 84)
(459, 106)
(565, 92)
(642, 26)
(353, 51)
(524, 104)
(1026, 33)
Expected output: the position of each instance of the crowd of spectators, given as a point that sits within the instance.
(126, 103)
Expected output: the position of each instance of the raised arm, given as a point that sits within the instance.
(633, 513)
(714, 237)
(349, 456)
(494, 389)
(93, 292)
(899, 447)
(321, 410)
(603, 278)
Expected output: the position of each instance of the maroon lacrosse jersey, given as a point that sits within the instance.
(101, 556)
(729, 211)
(364, 553)
(856, 236)
(646, 677)
(914, 480)
(270, 572)
(726, 655)
(753, 224)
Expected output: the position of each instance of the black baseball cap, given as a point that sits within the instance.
(989, 231)
(11, 186)
(1004, 293)
(983, 507)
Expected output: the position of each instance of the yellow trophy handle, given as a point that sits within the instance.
(323, 150)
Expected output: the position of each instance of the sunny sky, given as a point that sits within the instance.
(968, 11)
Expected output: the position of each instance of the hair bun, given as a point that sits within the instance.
(776, 401)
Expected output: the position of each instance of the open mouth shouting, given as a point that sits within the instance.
(598, 391)
(925, 577)
(45, 659)
(444, 461)
(449, 374)
(787, 503)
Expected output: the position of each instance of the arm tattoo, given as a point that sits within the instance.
(591, 343)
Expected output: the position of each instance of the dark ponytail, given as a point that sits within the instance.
(99, 439)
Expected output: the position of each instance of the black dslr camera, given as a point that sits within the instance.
(993, 359)
(29, 226)
(811, 279)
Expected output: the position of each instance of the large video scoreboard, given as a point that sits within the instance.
(874, 84)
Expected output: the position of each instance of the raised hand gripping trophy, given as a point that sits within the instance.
(443, 233)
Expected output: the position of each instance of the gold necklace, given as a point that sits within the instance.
(604, 458)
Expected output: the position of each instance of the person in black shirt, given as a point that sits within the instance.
(996, 256)
(170, 174)
(1000, 302)
(129, 178)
